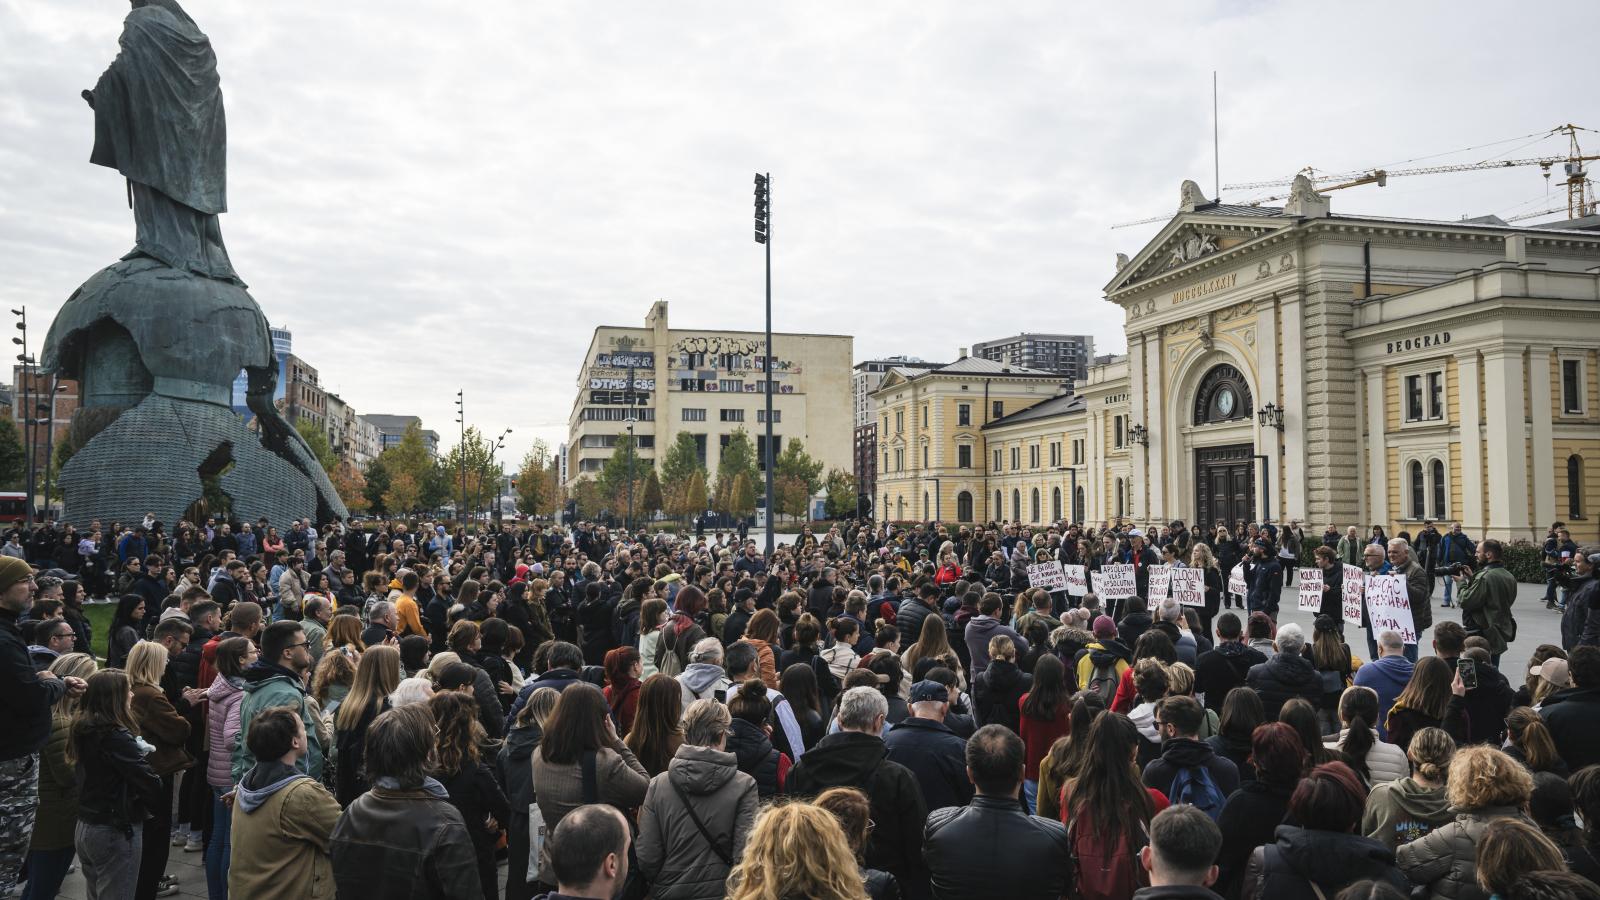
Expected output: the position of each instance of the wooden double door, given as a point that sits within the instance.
(1225, 486)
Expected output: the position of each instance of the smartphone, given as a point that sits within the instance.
(1468, 670)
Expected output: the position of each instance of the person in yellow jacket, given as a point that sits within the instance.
(406, 605)
(1103, 660)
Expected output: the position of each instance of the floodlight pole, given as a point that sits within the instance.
(764, 235)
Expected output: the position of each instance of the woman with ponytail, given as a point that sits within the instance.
(1374, 760)
(1399, 812)
(1529, 743)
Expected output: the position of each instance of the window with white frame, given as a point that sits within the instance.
(1427, 488)
(964, 456)
(1016, 458)
(1572, 381)
(998, 457)
(1033, 456)
(1422, 396)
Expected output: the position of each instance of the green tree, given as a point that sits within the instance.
(438, 486)
(472, 461)
(534, 488)
(738, 458)
(13, 460)
(614, 475)
(377, 477)
(653, 501)
(680, 464)
(796, 477)
(841, 490)
(694, 494)
(742, 497)
(317, 440)
(587, 494)
(410, 456)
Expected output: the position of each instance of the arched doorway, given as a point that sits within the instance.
(964, 507)
(1224, 473)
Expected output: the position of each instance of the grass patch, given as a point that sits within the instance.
(99, 616)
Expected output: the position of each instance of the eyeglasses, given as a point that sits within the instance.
(301, 644)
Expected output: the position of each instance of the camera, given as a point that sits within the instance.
(1565, 575)
(1450, 571)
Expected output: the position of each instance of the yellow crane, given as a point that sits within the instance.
(1580, 190)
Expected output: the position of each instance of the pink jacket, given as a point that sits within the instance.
(222, 729)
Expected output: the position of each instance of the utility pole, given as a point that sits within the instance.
(763, 237)
(29, 415)
(461, 461)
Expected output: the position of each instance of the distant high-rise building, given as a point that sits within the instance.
(392, 428)
(282, 348)
(869, 374)
(1067, 355)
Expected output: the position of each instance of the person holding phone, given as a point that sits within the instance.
(1486, 596)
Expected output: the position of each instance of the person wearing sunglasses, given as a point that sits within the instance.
(278, 678)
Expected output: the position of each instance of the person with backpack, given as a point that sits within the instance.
(697, 814)
(1107, 810)
(1253, 813)
(1189, 771)
(1101, 663)
(680, 632)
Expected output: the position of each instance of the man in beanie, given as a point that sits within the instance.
(1102, 662)
(26, 697)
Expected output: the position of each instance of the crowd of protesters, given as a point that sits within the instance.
(874, 711)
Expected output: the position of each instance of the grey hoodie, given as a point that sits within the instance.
(262, 781)
(1399, 812)
(702, 680)
(979, 631)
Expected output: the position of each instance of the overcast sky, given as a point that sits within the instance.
(436, 196)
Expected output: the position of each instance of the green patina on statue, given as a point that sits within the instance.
(157, 338)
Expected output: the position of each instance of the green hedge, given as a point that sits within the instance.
(1523, 560)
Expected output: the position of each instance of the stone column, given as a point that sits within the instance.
(1156, 468)
(1468, 391)
(1266, 391)
(1377, 456)
(1294, 405)
(1505, 441)
(1140, 511)
(1541, 452)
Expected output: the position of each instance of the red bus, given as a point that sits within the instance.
(13, 506)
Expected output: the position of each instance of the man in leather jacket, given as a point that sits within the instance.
(992, 848)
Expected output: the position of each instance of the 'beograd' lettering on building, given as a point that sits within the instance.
(1438, 339)
(1209, 286)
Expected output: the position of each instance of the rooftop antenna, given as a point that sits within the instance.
(1216, 141)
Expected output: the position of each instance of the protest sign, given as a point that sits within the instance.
(1047, 575)
(1189, 586)
(1115, 582)
(1388, 606)
(1077, 580)
(1236, 585)
(1353, 593)
(1310, 589)
(1160, 577)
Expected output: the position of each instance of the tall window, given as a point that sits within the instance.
(1055, 453)
(964, 507)
(1033, 456)
(1435, 395)
(964, 417)
(1016, 458)
(1077, 453)
(1055, 504)
(1116, 431)
(1574, 486)
(1120, 511)
(1437, 468)
(1419, 490)
(924, 456)
(999, 408)
(899, 420)
(924, 415)
(925, 505)
(1033, 505)
(997, 458)
(964, 456)
(1016, 505)
(1077, 504)
(1424, 396)
(1572, 387)
(1413, 398)
(899, 459)
(999, 506)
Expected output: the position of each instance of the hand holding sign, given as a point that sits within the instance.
(1077, 580)
(1115, 582)
(1160, 577)
(1310, 589)
(1236, 584)
(1189, 587)
(1389, 607)
(1354, 592)
(1047, 575)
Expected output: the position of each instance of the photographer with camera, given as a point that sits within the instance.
(1486, 596)
(1559, 551)
(1580, 624)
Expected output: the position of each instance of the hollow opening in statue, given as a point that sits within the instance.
(213, 501)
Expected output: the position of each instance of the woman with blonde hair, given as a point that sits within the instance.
(762, 634)
(1398, 812)
(377, 676)
(344, 635)
(854, 814)
(1528, 741)
(796, 850)
(933, 642)
(1485, 785)
(51, 849)
(161, 725)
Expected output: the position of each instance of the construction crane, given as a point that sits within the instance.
(1580, 190)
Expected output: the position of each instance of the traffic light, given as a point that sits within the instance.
(761, 208)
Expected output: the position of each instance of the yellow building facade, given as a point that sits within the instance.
(1297, 364)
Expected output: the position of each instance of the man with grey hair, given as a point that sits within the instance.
(1388, 675)
(1403, 562)
(1287, 674)
(856, 757)
(382, 621)
(1168, 615)
(318, 610)
(819, 599)
(703, 678)
(697, 814)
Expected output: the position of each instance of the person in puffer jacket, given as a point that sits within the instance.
(703, 780)
(750, 739)
(1484, 784)
(1321, 856)
(233, 656)
(1288, 674)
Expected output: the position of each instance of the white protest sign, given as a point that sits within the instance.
(1354, 583)
(1310, 589)
(1236, 585)
(1047, 575)
(1189, 586)
(1077, 580)
(1389, 608)
(1160, 577)
(1115, 582)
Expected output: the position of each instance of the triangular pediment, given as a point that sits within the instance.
(1191, 237)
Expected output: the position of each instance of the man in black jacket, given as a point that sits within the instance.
(1224, 667)
(1573, 714)
(1178, 719)
(856, 757)
(26, 697)
(1181, 856)
(1288, 674)
(933, 753)
(992, 848)
(913, 609)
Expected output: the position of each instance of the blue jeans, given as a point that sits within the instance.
(46, 870)
(1448, 584)
(219, 853)
(1030, 794)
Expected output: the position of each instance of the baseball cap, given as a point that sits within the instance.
(925, 691)
(1553, 671)
(1134, 532)
(1104, 627)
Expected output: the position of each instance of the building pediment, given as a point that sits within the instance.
(1188, 239)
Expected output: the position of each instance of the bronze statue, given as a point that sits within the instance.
(158, 337)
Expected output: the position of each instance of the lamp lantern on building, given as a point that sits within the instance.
(1271, 416)
(1138, 434)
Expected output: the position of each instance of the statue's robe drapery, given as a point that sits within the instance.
(159, 121)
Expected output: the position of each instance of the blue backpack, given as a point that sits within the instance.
(1195, 787)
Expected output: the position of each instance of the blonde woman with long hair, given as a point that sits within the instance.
(51, 849)
(377, 676)
(797, 850)
(161, 725)
(344, 635)
(933, 642)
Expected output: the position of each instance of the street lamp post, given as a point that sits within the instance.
(461, 463)
(763, 237)
(499, 444)
(26, 401)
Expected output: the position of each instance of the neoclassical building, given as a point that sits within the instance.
(1294, 363)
